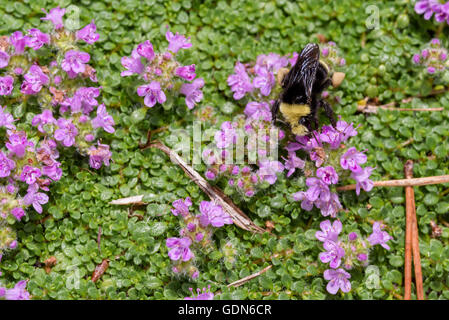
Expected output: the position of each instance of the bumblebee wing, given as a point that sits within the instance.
(303, 72)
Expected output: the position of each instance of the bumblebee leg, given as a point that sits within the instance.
(329, 112)
(274, 111)
(314, 114)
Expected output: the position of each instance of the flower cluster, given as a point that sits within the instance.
(24, 165)
(433, 57)
(330, 163)
(345, 254)
(253, 137)
(431, 7)
(204, 295)
(162, 73)
(259, 80)
(196, 233)
(71, 114)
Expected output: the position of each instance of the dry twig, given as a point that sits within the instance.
(214, 193)
(403, 182)
(366, 107)
(250, 277)
(413, 224)
(409, 208)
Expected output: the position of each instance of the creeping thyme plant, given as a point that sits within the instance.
(87, 88)
(52, 72)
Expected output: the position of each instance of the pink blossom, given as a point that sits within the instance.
(88, 33)
(55, 16)
(152, 93)
(192, 92)
(177, 41)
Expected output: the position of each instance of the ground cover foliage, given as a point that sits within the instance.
(379, 64)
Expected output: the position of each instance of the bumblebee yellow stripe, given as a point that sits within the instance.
(293, 112)
(324, 64)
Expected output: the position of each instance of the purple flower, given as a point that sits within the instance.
(306, 203)
(268, 170)
(293, 163)
(152, 93)
(416, 58)
(6, 85)
(317, 190)
(30, 174)
(181, 207)
(6, 119)
(205, 295)
(6, 165)
(13, 244)
(179, 248)
(55, 16)
(352, 236)
(84, 100)
(240, 82)
(145, 49)
(379, 237)
(271, 61)
(210, 175)
(88, 33)
(18, 213)
(133, 64)
(293, 59)
(333, 254)
(103, 120)
(74, 62)
(34, 80)
(36, 39)
(338, 280)
(18, 40)
(226, 136)
(327, 175)
(17, 143)
(331, 136)
(4, 59)
(330, 207)
(264, 81)
(362, 179)
(425, 7)
(329, 232)
(177, 41)
(192, 92)
(213, 214)
(99, 155)
(37, 199)
(258, 111)
(42, 119)
(352, 159)
(186, 72)
(66, 133)
(53, 171)
(346, 129)
(441, 11)
(18, 292)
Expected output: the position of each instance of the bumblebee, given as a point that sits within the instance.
(302, 87)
